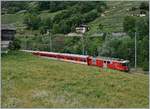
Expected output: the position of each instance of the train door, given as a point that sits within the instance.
(89, 60)
(104, 64)
(94, 61)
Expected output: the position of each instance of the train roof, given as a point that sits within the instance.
(113, 59)
(66, 54)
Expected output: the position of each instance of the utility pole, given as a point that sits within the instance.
(82, 44)
(50, 41)
(25, 43)
(86, 44)
(135, 50)
(135, 64)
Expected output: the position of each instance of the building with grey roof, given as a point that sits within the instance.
(7, 36)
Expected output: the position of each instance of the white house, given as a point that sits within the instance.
(82, 29)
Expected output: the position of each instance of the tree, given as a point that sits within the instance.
(142, 53)
(15, 44)
(74, 45)
(142, 27)
(100, 27)
(61, 16)
(33, 8)
(122, 48)
(64, 27)
(46, 24)
(86, 6)
(90, 16)
(92, 46)
(44, 5)
(56, 28)
(32, 21)
(43, 29)
(129, 25)
(144, 6)
(14, 6)
(133, 24)
(100, 9)
(126, 49)
(139, 25)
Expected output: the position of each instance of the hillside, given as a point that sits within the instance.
(112, 21)
(113, 16)
(30, 81)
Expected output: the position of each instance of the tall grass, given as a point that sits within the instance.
(30, 81)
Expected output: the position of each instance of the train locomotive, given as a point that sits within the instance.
(112, 63)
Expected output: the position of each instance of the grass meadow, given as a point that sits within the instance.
(31, 81)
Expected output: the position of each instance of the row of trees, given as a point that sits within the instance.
(52, 6)
(74, 6)
(13, 6)
(67, 20)
(124, 48)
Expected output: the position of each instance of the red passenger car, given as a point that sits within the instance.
(64, 56)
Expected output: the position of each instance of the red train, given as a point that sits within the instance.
(117, 64)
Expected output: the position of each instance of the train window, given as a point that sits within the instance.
(73, 58)
(108, 62)
(124, 64)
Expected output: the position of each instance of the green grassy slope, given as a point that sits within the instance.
(46, 14)
(19, 17)
(15, 19)
(30, 81)
(113, 19)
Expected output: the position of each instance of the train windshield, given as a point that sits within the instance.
(125, 64)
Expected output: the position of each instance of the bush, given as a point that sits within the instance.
(145, 65)
(32, 21)
(14, 6)
(56, 28)
(65, 26)
(90, 16)
(15, 44)
(45, 25)
(144, 6)
(64, 14)
(129, 25)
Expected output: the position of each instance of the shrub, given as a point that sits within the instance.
(15, 44)
(145, 65)
(32, 21)
(144, 6)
